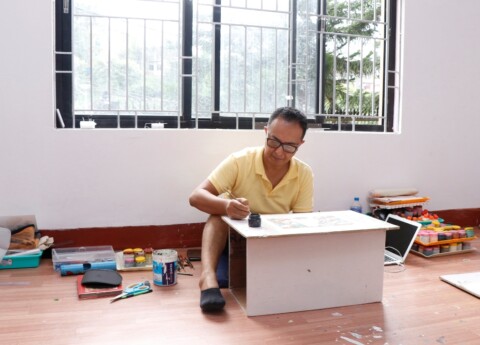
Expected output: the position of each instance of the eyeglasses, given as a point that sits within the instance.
(275, 144)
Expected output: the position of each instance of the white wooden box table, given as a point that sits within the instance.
(306, 261)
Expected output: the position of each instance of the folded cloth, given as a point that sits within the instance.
(378, 193)
(211, 300)
(399, 200)
(23, 238)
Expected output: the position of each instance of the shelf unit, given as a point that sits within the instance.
(376, 207)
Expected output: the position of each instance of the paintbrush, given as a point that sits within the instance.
(232, 196)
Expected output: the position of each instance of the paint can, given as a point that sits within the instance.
(469, 231)
(453, 247)
(165, 267)
(427, 251)
(424, 236)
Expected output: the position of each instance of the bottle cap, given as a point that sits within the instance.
(140, 259)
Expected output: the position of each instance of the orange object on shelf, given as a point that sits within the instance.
(455, 240)
(399, 200)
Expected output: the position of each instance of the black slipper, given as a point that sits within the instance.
(211, 300)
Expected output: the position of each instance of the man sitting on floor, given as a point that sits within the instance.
(265, 180)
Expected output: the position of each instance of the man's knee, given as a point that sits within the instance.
(215, 222)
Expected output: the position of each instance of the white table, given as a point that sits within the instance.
(306, 261)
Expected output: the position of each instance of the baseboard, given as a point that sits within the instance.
(463, 217)
(155, 236)
(186, 235)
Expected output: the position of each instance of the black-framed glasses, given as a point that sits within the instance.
(275, 144)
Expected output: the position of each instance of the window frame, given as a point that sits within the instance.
(65, 117)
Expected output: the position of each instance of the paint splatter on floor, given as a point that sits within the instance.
(371, 336)
(356, 335)
(351, 340)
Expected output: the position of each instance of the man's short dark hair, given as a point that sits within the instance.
(290, 114)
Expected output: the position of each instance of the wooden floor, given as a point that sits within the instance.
(37, 306)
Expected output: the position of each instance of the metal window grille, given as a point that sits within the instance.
(227, 63)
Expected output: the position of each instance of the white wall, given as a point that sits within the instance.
(101, 178)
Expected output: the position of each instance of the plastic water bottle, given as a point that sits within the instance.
(356, 206)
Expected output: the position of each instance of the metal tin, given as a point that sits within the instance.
(165, 267)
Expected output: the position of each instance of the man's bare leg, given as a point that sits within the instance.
(214, 239)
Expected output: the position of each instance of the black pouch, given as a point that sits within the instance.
(97, 278)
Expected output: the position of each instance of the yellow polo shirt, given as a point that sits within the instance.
(244, 175)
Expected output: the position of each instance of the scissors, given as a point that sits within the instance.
(134, 290)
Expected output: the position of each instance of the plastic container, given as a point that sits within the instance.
(128, 261)
(140, 261)
(441, 236)
(453, 247)
(444, 248)
(424, 236)
(128, 258)
(356, 206)
(148, 256)
(427, 251)
(81, 255)
(23, 261)
(138, 252)
(128, 252)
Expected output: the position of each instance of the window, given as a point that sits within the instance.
(227, 63)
